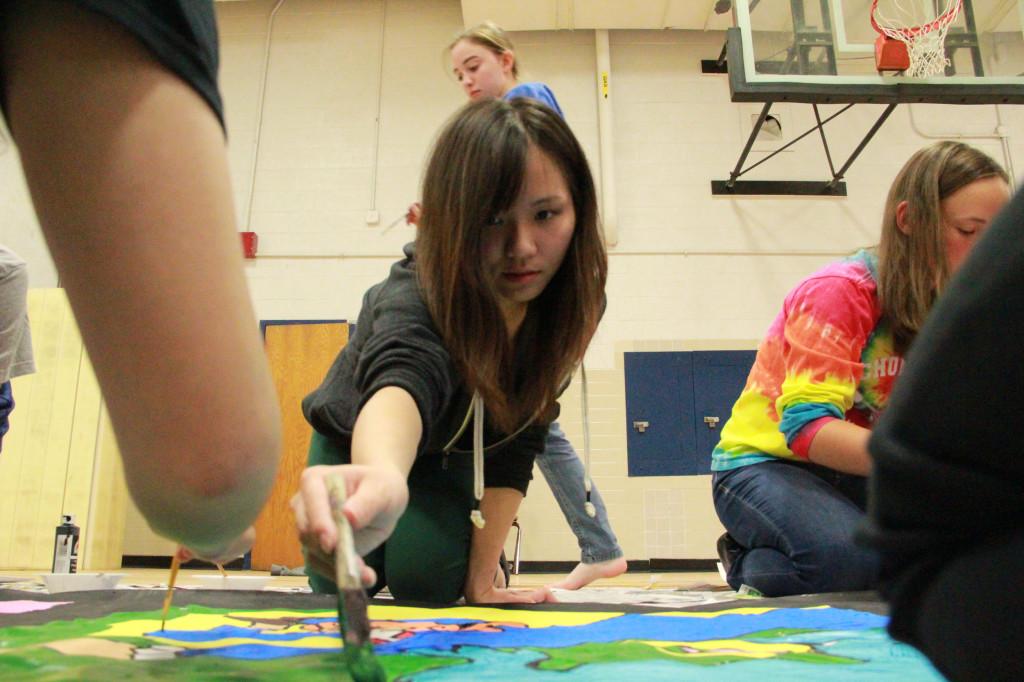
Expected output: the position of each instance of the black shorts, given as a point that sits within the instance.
(181, 34)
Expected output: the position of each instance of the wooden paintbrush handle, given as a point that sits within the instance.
(175, 565)
(345, 559)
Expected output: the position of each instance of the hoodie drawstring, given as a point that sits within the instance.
(587, 485)
(476, 516)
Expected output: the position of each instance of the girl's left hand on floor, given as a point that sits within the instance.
(497, 595)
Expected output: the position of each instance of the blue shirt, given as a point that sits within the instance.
(537, 91)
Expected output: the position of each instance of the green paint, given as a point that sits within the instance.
(819, 659)
(22, 657)
(398, 667)
(584, 654)
(775, 634)
(44, 665)
(82, 627)
(362, 664)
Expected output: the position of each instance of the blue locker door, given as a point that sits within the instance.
(659, 393)
(718, 378)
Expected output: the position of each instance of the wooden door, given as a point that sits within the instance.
(300, 354)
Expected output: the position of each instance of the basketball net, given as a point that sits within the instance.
(923, 34)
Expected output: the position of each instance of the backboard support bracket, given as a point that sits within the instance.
(833, 187)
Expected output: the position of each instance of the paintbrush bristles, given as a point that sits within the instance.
(358, 622)
(175, 565)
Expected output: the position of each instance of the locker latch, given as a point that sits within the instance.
(641, 426)
(712, 422)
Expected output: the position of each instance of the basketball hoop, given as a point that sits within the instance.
(911, 41)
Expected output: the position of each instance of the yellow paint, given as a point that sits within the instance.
(191, 622)
(729, 647)
(604, 84)
(266, 614)
(196, 622)
(311, 642)
(533, 619)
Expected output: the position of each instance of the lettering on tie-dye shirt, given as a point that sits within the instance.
(885, 367)
(881, 367)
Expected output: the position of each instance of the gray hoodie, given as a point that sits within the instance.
(395, 343)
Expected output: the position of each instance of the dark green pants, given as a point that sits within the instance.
(427, 556)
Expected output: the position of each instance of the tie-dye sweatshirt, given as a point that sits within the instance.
(826, 356)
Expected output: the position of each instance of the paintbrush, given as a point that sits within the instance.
(392, 224)
(175, 565)
(223, 573)
(353, 622)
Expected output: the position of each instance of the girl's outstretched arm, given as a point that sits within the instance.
(384, 442)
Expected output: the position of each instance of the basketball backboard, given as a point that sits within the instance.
(823, 51)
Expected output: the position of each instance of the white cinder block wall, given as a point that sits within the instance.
(690, 271)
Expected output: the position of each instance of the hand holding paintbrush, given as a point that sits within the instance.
(377, 498)
(353, 621)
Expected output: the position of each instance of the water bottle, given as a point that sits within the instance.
(65, 546)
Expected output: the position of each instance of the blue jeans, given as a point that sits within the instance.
(795, 522)
(564, 473)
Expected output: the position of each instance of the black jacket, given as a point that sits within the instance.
(948, 471)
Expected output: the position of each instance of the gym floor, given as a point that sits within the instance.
(645, 580)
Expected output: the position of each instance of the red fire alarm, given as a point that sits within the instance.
(249, 242)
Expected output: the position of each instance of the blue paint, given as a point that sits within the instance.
(639, 626)
(234, 632)
(880, 659)
(259, 652)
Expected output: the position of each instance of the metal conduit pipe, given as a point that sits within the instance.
(606, 144)
(262, 98)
